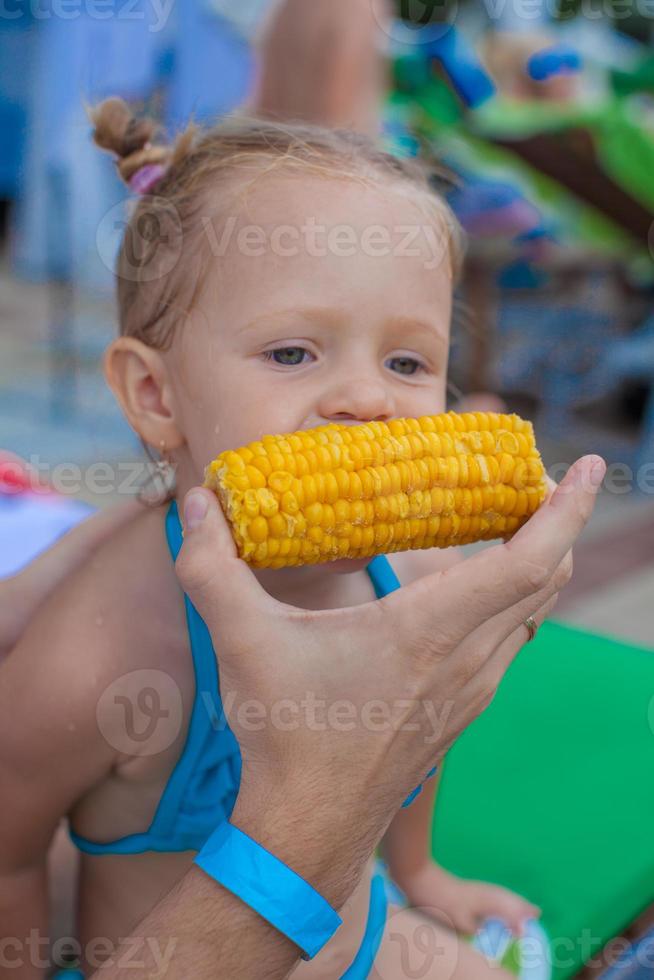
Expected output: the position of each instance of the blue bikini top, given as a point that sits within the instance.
(203, 786)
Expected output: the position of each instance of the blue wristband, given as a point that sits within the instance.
(270, 887)
(411, 797)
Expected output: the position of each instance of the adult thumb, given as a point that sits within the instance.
(209, 570)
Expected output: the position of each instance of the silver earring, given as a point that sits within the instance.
(160, 483)
(165, 470)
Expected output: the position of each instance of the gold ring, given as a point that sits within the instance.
(532, 626)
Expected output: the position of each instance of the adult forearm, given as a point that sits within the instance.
(202, 930)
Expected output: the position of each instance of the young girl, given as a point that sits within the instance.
(271, 278)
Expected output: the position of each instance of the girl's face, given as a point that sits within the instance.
(327, 301)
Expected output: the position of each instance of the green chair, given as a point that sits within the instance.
(550, 792)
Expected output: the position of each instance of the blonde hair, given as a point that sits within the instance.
(158, 282)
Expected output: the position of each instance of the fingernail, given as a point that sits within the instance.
(195, 510)
(597, 473)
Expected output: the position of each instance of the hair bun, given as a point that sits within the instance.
(116, 128)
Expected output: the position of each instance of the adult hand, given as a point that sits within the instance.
(402, 676)
(344, 711)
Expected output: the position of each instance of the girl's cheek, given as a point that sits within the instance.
(197, 353)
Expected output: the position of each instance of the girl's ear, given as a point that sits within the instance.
(138, 377)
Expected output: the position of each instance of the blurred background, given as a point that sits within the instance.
(543, 115)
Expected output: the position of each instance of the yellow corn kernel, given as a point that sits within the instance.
(309, 490)
(313, 514)
(315, 534)
(367, 537)
(289, 503)
(280, 482)
(331, 489)
(356, 487)
(268, 503)
(354, 491)
(277, 526)
(328, 521)
(251, 503)
(258, 529)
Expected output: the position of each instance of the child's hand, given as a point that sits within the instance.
(462, 904)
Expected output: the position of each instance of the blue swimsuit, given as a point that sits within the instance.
(204, 784)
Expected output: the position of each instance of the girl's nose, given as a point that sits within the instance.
(357, 401)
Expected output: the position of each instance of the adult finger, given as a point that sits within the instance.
(484, 683)
(220, 585)
(445, 607)
(496, 630)
(488, 648)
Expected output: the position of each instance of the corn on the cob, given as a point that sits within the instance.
(341, 491)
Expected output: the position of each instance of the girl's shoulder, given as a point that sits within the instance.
(94, 646)
(133, 592)
(122, 608)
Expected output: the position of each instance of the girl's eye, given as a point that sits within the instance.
(286, 355)
(406, 365)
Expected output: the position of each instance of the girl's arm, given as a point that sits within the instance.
(51, 753)
(406, 846)
(460, 903)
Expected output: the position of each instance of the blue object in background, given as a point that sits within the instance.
(522, 274)
(212, 68)
(14, 38)
(65, 184)
(560, 59)
(471, 81)
(190, 58)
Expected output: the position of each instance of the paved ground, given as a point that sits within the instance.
(56, 408)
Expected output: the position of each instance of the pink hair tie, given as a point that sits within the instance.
(144, 179)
